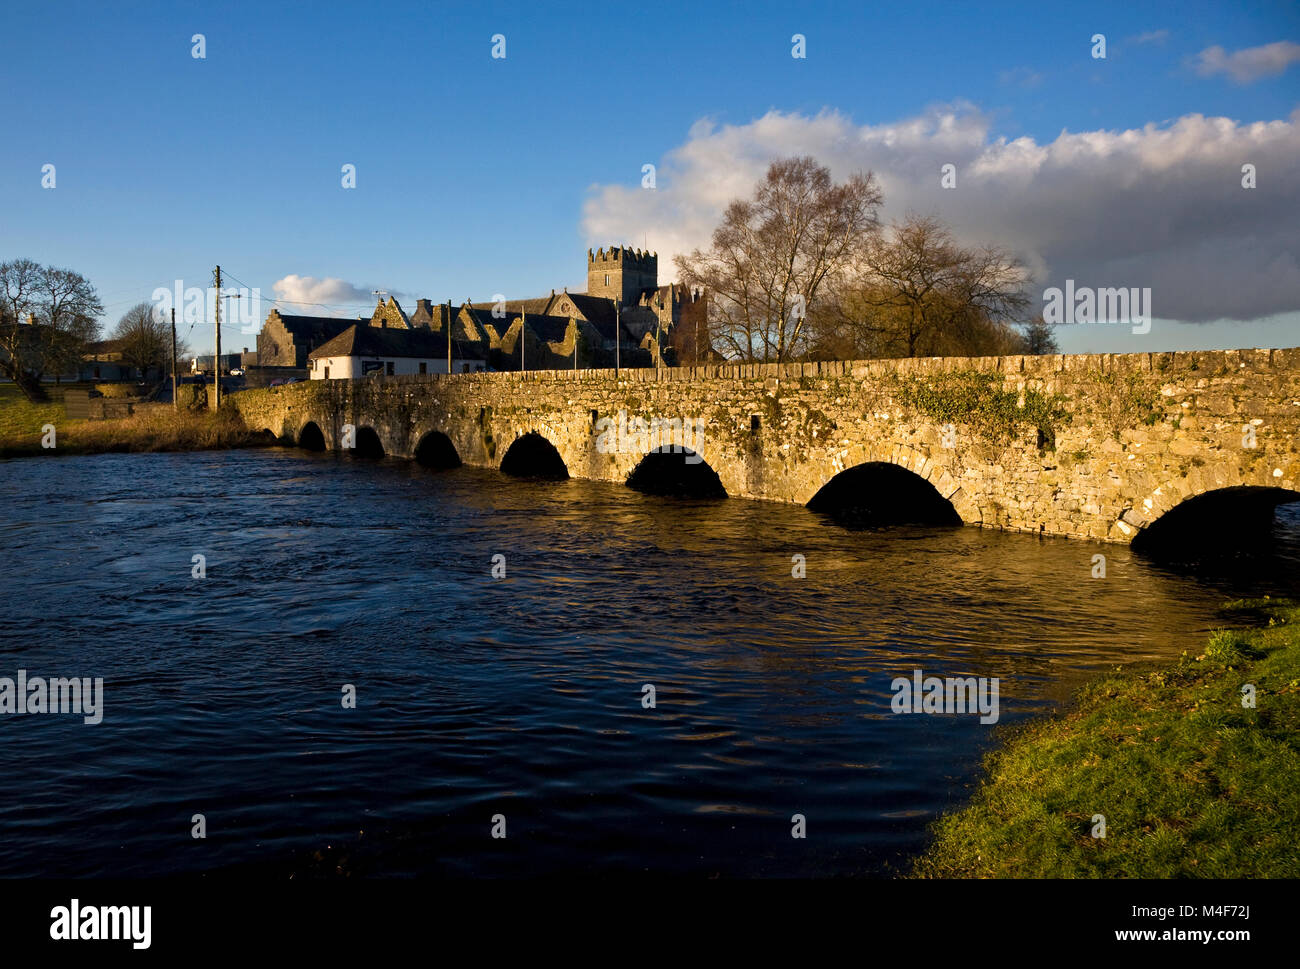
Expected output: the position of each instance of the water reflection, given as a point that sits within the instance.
(520, 695)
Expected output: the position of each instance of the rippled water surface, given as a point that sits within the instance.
(519, 696)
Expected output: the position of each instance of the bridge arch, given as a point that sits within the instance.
(917, 463)
(367, 446)
(881, 493)
(676, 471)
(437, 451)
(1211, 519)
(533, 455)
(311, 437)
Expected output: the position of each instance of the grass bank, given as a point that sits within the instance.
(19, 417)
(154, 427)
(1191, 783)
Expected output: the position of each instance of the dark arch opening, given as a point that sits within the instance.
(436, 451)
(311, 438)
(878, 495)
(1218, 527)
(676, 473)
(368, 446)
(267, 436)
(533, 456)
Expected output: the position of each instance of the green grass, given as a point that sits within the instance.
(1191, 784)
(19, 418)
(154, 427)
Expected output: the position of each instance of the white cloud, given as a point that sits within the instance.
(1249, 64)
(322, 297)
(1160, 206)
(1150, 37)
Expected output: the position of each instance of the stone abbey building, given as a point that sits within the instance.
(623, 302)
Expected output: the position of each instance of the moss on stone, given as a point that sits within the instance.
(980, 401)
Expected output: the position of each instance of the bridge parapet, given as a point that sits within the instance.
(1091, 445)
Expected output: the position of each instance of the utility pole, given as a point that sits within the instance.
(618, 333)
(448, 338)
(523, 328)
(216, 360)
(575, 344)
(175, 402)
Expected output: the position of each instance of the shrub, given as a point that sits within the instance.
(192, 397)
(117, 391)
(1230, 647)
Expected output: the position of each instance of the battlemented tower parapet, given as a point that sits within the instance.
(621, 273)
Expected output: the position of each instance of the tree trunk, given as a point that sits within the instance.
(31, 387)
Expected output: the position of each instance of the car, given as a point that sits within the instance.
(237, 372)
(280, 382)
(294, 380)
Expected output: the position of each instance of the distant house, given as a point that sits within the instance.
(229, 362)
(93, 361)
(286, 341)
(362, 350)
(103, 361)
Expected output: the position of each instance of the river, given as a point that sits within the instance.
(520, 696)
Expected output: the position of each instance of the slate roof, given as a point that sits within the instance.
(316, 326)
(363, 340)
(596, 309)
(516, 306)
(549, 328)
(105, 346)
(484, 317)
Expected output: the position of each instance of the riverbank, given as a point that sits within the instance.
(155, 427)
(1190, 782)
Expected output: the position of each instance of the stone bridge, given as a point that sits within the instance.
(1090, 446)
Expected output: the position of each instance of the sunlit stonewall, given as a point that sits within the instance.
(1094, 446)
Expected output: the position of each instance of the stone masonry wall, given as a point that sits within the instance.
(1093, 446)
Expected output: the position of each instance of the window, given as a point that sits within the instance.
(606, 279)
(327, 373)
(388, 368)
(424, 367)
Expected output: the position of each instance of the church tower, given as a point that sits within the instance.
(621, 273)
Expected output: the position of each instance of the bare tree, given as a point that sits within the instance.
(47, 318)
(916, 292)
(1039, 338)
(773, 254)
(145, 338)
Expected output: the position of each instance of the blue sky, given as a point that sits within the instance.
(477, 176)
